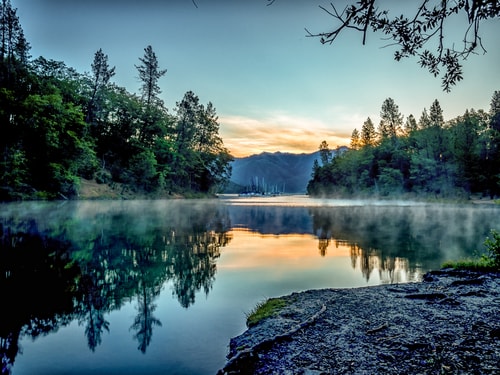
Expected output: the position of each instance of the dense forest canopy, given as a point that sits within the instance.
(59, 126)
(430, 156)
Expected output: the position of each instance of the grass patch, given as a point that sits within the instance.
(264, 309)
(470, 264)
(486, 262)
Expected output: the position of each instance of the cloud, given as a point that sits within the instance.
(245, 136)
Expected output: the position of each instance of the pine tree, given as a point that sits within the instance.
(14, 49)
(495, 110)
(154, 113)
(201, 162)
(493, 162)
(150, 74)
(368, 133)
(102, 74)
(424, 120)
(391, 120)
(410, 124)
(355, 140)
(436, 115)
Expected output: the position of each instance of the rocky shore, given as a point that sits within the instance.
(448, 323)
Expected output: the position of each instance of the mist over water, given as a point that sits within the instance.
(160, 286)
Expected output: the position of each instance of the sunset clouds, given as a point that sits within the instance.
(245, 136)
(274, 88)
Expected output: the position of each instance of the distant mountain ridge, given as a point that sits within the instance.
(274, 172)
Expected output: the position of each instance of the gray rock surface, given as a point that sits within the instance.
(448, 323)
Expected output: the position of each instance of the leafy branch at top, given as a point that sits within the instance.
(412, 34)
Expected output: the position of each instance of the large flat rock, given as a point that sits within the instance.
(449, 323)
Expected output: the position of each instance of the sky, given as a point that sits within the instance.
(273, 87)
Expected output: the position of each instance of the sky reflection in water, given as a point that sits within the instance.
(157, 287)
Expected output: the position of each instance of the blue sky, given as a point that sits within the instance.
(274, 88)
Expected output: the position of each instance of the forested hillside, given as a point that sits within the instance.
(273, 172)
(59, 126)
(430, 157)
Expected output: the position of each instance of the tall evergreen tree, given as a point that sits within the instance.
(15, 85)
(13, 44)
(355, 140)
(436, 114)
(466, 150)
(213, 156)
(188, 110)
(493, 161)
(391, 120)
(101, 75)
(495, 114)
(201, 161)
(149, 74)
(410, 124)
(368, 133)
(424, 120)
(14, 54)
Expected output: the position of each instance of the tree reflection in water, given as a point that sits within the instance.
(93, 307)
(89, 262)
(400, 241)
(36, 285)
(83, 260)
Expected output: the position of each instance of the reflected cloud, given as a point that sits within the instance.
(91, 257)
(250, 249)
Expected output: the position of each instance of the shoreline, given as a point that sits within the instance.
(447, 323)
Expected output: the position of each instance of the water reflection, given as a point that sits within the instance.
(402, 241)
(37, 285)
(147, 291)
(90, 261)
(81, 261)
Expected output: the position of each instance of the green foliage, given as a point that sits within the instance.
(493, 248)
(264, 310)
(60, 126)
(470, 264)
(456, 159)
(490, 261)
(102, 177)
(143, 170)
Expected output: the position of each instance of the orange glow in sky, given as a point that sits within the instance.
(245, 136)
(274, 88)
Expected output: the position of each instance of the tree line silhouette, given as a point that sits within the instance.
(60, 126)
(431, 157)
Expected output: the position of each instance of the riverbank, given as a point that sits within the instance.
(91, 190)
(448, 323)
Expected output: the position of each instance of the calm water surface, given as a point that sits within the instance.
(159, 287)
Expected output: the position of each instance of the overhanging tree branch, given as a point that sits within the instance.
(411, 34)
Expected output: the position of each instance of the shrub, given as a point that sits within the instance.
(490, 261)
(493, 249)
(103, 177)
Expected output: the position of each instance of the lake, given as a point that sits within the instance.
(159, 287)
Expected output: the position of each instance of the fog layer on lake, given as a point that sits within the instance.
(161, 286)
